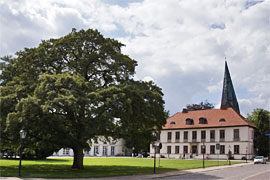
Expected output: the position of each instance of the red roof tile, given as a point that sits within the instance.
(213, 116)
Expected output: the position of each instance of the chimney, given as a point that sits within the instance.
(184, 110)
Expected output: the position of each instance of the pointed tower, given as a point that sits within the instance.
(228, 95)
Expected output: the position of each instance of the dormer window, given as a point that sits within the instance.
(189, 121)
(222, 120)
(202, 120)
(172, 123)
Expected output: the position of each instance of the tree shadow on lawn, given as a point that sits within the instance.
(65, 171)
(48, 160)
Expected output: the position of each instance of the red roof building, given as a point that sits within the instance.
(213, 133)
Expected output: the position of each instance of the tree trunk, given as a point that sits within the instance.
(78, 158)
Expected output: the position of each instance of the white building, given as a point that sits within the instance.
(101, 148)
(223, 132)
(186, 132)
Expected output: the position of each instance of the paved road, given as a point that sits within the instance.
(249, 172)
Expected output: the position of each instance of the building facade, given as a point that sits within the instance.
(100, 148)
(214, 133)
(221, 131)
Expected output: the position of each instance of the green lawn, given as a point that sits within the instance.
(96, 167)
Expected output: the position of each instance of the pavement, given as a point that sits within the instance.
(142, 177)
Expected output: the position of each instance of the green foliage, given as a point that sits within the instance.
(201, 106)
(72, 89)
(261, 118)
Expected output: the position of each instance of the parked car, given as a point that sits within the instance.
(259, 159)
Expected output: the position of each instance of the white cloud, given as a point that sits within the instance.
(179, 44)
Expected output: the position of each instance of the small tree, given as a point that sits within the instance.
(261, 118)
(201, 106)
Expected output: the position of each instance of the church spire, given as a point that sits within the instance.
(228, 95)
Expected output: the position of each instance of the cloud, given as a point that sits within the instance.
(182, 45)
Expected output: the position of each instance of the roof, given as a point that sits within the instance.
(213, 117)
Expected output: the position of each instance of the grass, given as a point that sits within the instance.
(96, 167)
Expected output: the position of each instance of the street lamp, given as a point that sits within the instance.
(203, 146)
(246, 153)
(229, 155)
(22, 137)
(155, 149)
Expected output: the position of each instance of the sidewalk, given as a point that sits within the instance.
(142, 177)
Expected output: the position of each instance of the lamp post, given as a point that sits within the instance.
(154, 146)
(246, 153)
(22, 137)
(229, 155)
(203, 146)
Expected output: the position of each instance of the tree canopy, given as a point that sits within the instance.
(261, 118)
(201, 106)
(72, 89)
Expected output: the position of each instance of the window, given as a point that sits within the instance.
(236, 149)
(222, 135)
(157, 149)
(212, 149)
(169, 149)
(203, 135)
(194, 135)
(104, 152)
(212, 135)
(96, 150)
(203, 150)
(158, 136)
(185, 136)
(177, 136)
(222, 120)
(176, 149)
(66, 151)
(185, 149)
(169, 136)
(189, 121)
(202, 120)
(236, 134)
(172, 123)
(112, 150)
(222, 149)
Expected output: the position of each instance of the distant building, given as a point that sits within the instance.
(101, 148)
(223, 132)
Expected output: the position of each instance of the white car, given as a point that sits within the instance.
(259, 159)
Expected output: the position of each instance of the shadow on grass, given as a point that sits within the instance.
(65, 171)
(38, 160)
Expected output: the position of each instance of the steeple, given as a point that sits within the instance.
(228, 95)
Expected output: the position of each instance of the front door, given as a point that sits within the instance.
(194, 149)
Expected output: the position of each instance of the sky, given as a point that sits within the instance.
(181, 45)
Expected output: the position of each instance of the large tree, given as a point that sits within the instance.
(72, 89)
(261, 118)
